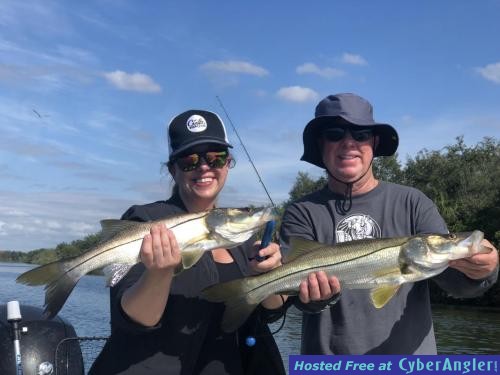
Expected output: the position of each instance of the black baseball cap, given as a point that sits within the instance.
(195, 127)
(345, 109)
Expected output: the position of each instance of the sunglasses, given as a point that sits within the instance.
(214, 159)
(339, 133)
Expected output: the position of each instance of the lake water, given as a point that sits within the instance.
(464, 330)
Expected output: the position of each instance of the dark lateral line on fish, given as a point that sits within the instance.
(121, 244)
(176, 225)
(124, 243)
(86, 260)
(319, 268)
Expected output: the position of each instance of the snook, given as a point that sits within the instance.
(381, 265)
(121, 241)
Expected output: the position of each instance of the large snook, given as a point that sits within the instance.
(121, 241)
(381, 265)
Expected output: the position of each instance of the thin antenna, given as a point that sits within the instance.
(245, 149)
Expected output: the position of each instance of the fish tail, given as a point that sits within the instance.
(240, 298)
(59, 278)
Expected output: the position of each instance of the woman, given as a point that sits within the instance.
(159, 324)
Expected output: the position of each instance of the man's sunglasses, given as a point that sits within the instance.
(214, 159)
(337, 134)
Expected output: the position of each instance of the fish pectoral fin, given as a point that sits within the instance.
(110, 227)
(300, 246)
(115, 272)
(189, 258)
(383, 294)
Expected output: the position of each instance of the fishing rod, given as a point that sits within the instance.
(268, 232)
(246, 152)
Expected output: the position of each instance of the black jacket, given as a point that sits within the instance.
(188, 339)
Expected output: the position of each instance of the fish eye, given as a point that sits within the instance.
(452, 236)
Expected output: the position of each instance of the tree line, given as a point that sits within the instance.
(461, 180)
(44, 255)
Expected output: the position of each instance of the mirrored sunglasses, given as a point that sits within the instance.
(214, 159)
(339, 133)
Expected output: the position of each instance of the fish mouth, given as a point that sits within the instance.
(242, 223)
(461, 240)
(471, 238)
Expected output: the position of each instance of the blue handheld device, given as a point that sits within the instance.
(266, 238)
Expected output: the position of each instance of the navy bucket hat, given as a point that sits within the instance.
(345, 109)
(195, 127)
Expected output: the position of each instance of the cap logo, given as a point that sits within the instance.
(196, 124)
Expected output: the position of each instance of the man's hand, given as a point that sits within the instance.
(478, 266)
(318, 287)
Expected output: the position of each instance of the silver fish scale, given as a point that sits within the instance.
(124, 246)
(358, 263)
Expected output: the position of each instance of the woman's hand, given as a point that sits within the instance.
(161, 255)
(160, 251)
(272, 259)
(271, 255)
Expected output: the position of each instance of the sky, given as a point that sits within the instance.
(88, 87)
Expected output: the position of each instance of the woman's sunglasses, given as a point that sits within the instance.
(337, 134)
(214, 159)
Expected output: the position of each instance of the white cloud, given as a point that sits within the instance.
(132, 82)
(235, 66)
(297, 94)
(353, 59)
(311, 68)
(491, 72)
(52, 218)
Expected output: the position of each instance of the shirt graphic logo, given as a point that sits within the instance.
(357, 227)
(196, 124)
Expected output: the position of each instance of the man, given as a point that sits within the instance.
(343, 138)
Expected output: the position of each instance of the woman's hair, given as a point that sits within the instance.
(175, 188)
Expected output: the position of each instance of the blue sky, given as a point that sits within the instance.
(87, 87)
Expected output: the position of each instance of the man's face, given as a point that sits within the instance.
(348, 151)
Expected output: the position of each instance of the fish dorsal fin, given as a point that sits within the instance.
(300, 246)
(110, 227)
(383, 294)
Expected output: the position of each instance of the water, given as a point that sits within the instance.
(463, 330)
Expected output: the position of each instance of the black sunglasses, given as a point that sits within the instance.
(339, 133)
(214, 159)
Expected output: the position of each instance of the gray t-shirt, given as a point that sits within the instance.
(353, 325)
